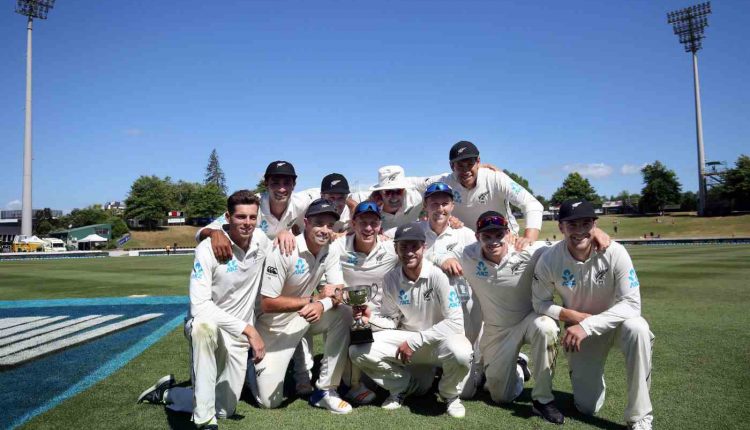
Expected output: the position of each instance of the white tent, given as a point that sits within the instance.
(92, 238)
(31, 239)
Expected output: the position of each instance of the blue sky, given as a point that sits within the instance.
(123, 89)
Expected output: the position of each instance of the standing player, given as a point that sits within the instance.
(335, 188)
(500, 278)
(365, 259)
(422, 323)
(220, 322)
(290, 310)
(601, 307)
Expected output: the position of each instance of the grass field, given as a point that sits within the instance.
(182, 235)
(695, 299)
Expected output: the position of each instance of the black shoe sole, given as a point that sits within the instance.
(538, 413)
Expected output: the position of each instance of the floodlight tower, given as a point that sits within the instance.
(31, 9)
(688, 24)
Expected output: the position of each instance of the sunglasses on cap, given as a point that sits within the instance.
(492, 220)
(367, 206)
(438, 187)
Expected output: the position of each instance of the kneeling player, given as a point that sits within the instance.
(219, 325)
(601, 307)
(500, 277)
(422, 322)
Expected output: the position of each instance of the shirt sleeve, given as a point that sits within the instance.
(420, 183)
(387, 315)
(627, 296)
(518, 196)
(216, 224)
(465, 238)
(274, 274)
(450, 306)
(542, 291)
(334, 274)
(201, 300)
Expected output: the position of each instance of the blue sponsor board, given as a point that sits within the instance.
(41, 383)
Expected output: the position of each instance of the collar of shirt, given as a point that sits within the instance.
(572, 259)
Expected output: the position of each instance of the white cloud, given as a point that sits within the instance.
(631, 169)
(134, 132)
(590, 170)
(13, 205)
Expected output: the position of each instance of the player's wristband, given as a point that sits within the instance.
(327, 303)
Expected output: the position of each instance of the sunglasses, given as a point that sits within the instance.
(492, 220)
(367, 206)
(438, 187)
(395, 192)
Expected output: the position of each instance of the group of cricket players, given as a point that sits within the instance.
(456, 292)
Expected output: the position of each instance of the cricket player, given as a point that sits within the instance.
(400, 203)
(220, 321)
(421, 323)
(290, 310)
(601, 308)
(365, 259)
(500, 278)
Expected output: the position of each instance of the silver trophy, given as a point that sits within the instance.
(357, 297)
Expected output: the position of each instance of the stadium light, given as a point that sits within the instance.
(689, 25)
(31, 9)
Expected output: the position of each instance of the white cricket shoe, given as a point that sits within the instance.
(456, 409)
(642, 424)
(393, 402)
(329, 399)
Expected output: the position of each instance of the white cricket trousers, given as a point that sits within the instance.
(218, 362)
(378, 361)
(500, 347)
(281, 341)
(635, 340)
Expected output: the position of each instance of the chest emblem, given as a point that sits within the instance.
(484, 197)
(264, 226)
(482, 269)
(232, 266)
(353, 260)
(300, 267)
(403, 298)
(456, 196)
(568, 279)
(600, 275)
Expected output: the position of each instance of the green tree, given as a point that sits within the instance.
(520, 180)
(93, 214)
(737, 183)
(214, 174)
(43, 228)
(260, 187)
(148, 201)
(575, 186)
(45, 222)
(207, 201)
(181, 193)
(543, 201)
(688, 201)
(661, 187)
(119, 226)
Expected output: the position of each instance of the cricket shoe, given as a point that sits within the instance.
(548, 411)
(455, 408)
(360, 395)
(329, 399)
(155, 393)
(393, 402)
(642, 424)
(523, 361)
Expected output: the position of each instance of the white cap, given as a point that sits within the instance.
(391, 178)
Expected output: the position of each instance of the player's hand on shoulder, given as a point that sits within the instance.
(522, 243)
(455, 222)
(404, 352)
(220, 246)
(285, 242)
(452, 267)
(600, 239)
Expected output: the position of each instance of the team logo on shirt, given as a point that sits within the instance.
(427, 296)
(379, 258)
(197, 271)
(272, 270)
(232, 266)
(264, 226)
(353, 260)
(300, 267)
(568, 279)
(451, 246)
(484, 197)
(599, 277)
(515, 187)
(456, 196)
(453, 300)
(403, 298)
(482, 269)
(517, 268)
(633, 279)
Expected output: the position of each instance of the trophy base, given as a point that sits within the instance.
(361, 336)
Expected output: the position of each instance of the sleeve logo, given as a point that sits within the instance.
(272, 270)
(633, 278)
(453, 301)
(197, 271)
(299, 268)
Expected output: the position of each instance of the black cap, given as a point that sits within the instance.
(365, 207)
(280, 167)
(411, 231)
(320, 207)
(462, 150)
(576, 209)
(334, 183)
(491, 220)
